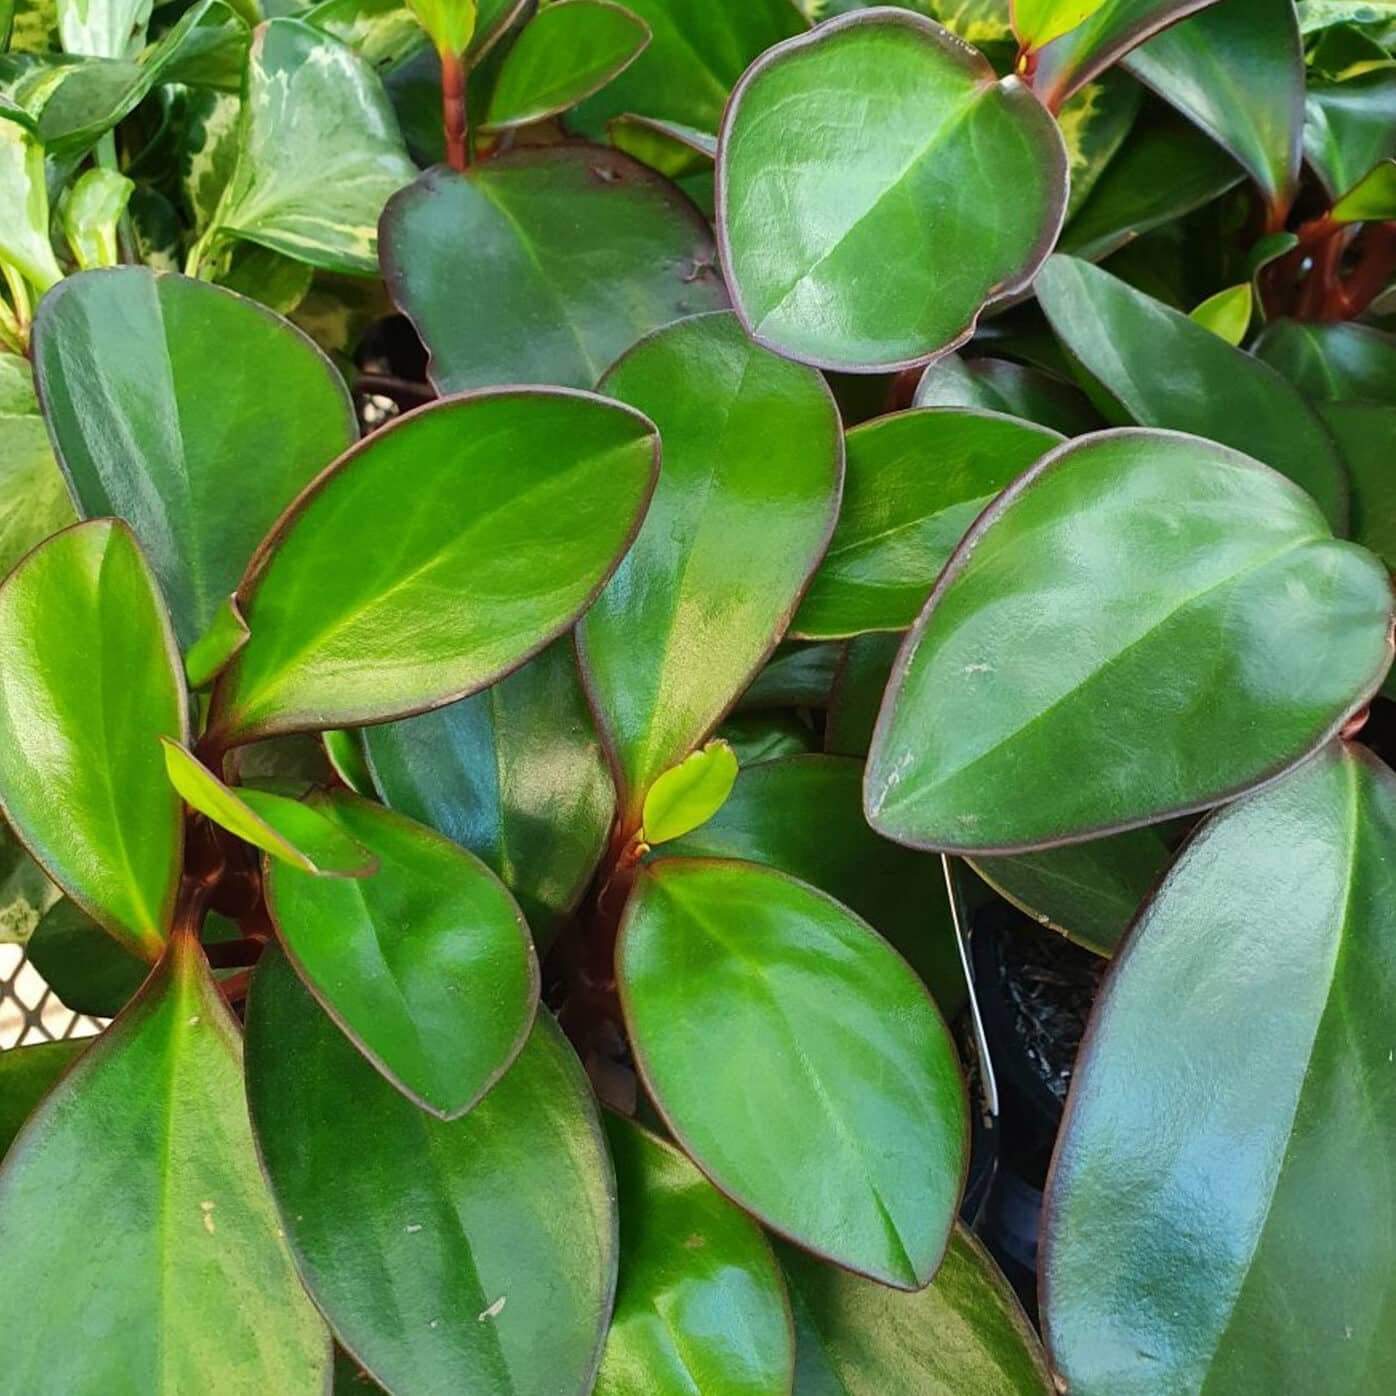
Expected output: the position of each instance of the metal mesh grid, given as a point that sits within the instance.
(30, 1012)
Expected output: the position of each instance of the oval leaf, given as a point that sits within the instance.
(521, 504)
(147, 1143)
(1349, 127)
(89, 681)
(689, 794)
(1175, 571)
(831, 1042)
(1230, 1113)
(27, 1074)
(1227, 314)
(34, 500)
(1332, 362)
(1038, 22)
(492, 1269)
(88, 971)
(874, 245)
(753, 466)
(1000, 385)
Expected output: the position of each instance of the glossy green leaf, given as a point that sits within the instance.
(766, 736)
(165, 1248)
(190, 412)
(798, 675)
(1237, 70)
(214, 650)
(516, 775)
(1238, 1138)
(1349, 127)
(345, 751)
(81, 776)
(427, 965)
(700, 1305)
(24, 240)
(1227, 314)
(859, 683)
(570, 254)
(1087, 891)
(103, 28)
(964, 1333)
(318, 155)
(1365, 432)
(753, 466)
(1095, 123)
(915, 482)
(27, 1075)
(1332, 362)
(88, 971)
(694, 58)
(518, 552)
(1038, 22)
(490, 1269)
(673, 149)
(829, 1040)
(1315, 15)
(25, 893)
(90, 214)
(450, 24)
(1206, 631)
(384, 33)
(1372, 198)
(689, 794)
(1146, 362)
(33, 497)
(809, 202)
(563, 54)
(265, 821)
(1000, 385)
(1345, 50)
(803, 815)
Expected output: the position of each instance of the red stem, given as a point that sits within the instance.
(453, 110)
(1369, 277)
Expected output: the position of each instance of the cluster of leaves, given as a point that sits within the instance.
(525, 851)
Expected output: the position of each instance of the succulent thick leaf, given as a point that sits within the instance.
(1088, 891)
(86, 968)
(1228, 1136)
(700, 601)
(829, 1040)
(569, 254)
(515, 774)
(1365, 432)
(564, 53)
(82, 780)
(690, 793)
(476, 1254)
(33, 498)
(318, 155)
(521, 503)
(27, 1075)
(195, 415)
(163, 1251)
(694, 58)
(914, 483)
(1205, 632)
(426, 965)
(770, 818)
(24, 196)
(1145, 362)
(701, 1304)
(875, 244)
(103, 28)
(1332, 362)
(1349, 127)
(1237, 69)
(965, 1332)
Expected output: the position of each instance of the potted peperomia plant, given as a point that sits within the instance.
(572, 568)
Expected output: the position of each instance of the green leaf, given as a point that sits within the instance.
(803, 815)
(1332, 362)
(450, 24)
(700, 1305)
(1364, 432)
(516, 775)
(1087, 891)
(192, 413)
(859, 683)
(346, 631)
(963, 1333)
(674, 150)
(798, 675)
(1209, 634)
(1227, 314)
(694, 58)
(27, 1074)
(277, 282)
(81, 776)
(24, 241)
(103, 28)
(1146, 362)
(1231, 1112)
(807, 202)
(319, 153)
(166, 1234)
(915, 482)
(410, 1231)
(563, 54)
(90, 214)
(1315, 15)
(1349, 127)
(345, 752)
(689, 794)
(88, 971)
(25, 893)
(272, 823)
(1237, 70)
(216, 648)
(753, 464)
(384, 33)
(1002, 386)
(1095, 123)
(765, 736)
(1038, 22)
(427, 965)
(830, 1041)
(570, 254)
(1372, 198)
(34, 499)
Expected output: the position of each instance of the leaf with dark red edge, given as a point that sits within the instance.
(1227, 1138)
(829, 1040)
(1350, 126)
(701, 1304)
(810, 204)
(164, 1253)
(1365, 432)
(476, 1254)
(1336, 362)
(522, 502)
(1000, 385)
(82, 781)
(570, 254)
(746, 501)
(673, 149)
(1205, 630)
